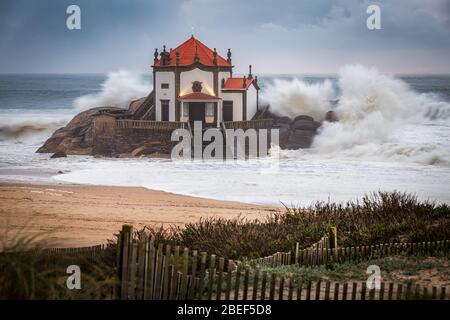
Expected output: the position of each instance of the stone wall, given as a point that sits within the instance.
(112, 141)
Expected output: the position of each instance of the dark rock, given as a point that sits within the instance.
(302, 124)
(331, 116)
(59, 154)
(299, 139)
(139, 151)
(76, 137)
(158, 155)
(284, 120)
(284, 132)
(305, 118)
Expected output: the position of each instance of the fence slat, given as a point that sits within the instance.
(308, 291)
(281, 288)
(166, 273)
(290, 289)
(255, 284)
(151, 269)
(229, 275)
(318, 288)
(184, 276)
(263, 285)
(327, 290)
(390, 291)
(127, 232)
(237, 283)
(212, 274)
(133, 262)
(344, 291)
(202, 276)
(246, 281)
(381, 295)
(220, 278)
(194, 274)
(354, 290)
(158, 272)
(141, 267)
(272, 286)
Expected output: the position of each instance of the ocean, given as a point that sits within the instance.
(393, 134)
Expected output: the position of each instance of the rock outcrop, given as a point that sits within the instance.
(76, 137)
(59, 154)
(297, 133)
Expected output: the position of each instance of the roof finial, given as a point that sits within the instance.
(164, 48)
(250, 76)
(156, 54)
(229, 55)
(215, 57)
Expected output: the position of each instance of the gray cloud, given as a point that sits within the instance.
(287, 36)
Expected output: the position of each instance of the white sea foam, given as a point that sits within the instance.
(118, 90)
(380, 117)
(296, 97)
(30, 126)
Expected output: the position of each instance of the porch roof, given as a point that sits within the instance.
(198, 96)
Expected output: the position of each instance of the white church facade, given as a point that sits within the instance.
(194, 83)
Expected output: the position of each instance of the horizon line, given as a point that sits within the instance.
(258, 74)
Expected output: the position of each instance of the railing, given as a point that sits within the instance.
(146, 108)
(249, 124)
(146, 124)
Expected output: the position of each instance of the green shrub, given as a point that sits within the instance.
(376, 218)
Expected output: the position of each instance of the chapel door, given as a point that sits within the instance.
(165, 110)
(196, 111)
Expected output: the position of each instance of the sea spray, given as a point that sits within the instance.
(374, 112)
(380, 117)
(296, 97)
(118, 90)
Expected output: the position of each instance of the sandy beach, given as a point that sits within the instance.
(83, 215)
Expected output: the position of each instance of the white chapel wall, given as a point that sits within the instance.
(236, 97)
(251, 102)
(165, 94)
(205, 77)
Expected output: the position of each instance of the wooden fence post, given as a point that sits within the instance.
(219, 278)
(333, 242)
(125, 240)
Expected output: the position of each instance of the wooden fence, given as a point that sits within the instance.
(249, 124)
(156, 271)
(326, 250)
(148, 124)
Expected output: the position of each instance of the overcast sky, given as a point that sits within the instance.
(291, 36)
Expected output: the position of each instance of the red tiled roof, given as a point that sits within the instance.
(237, 84)
(198, 96)
(186, 52)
